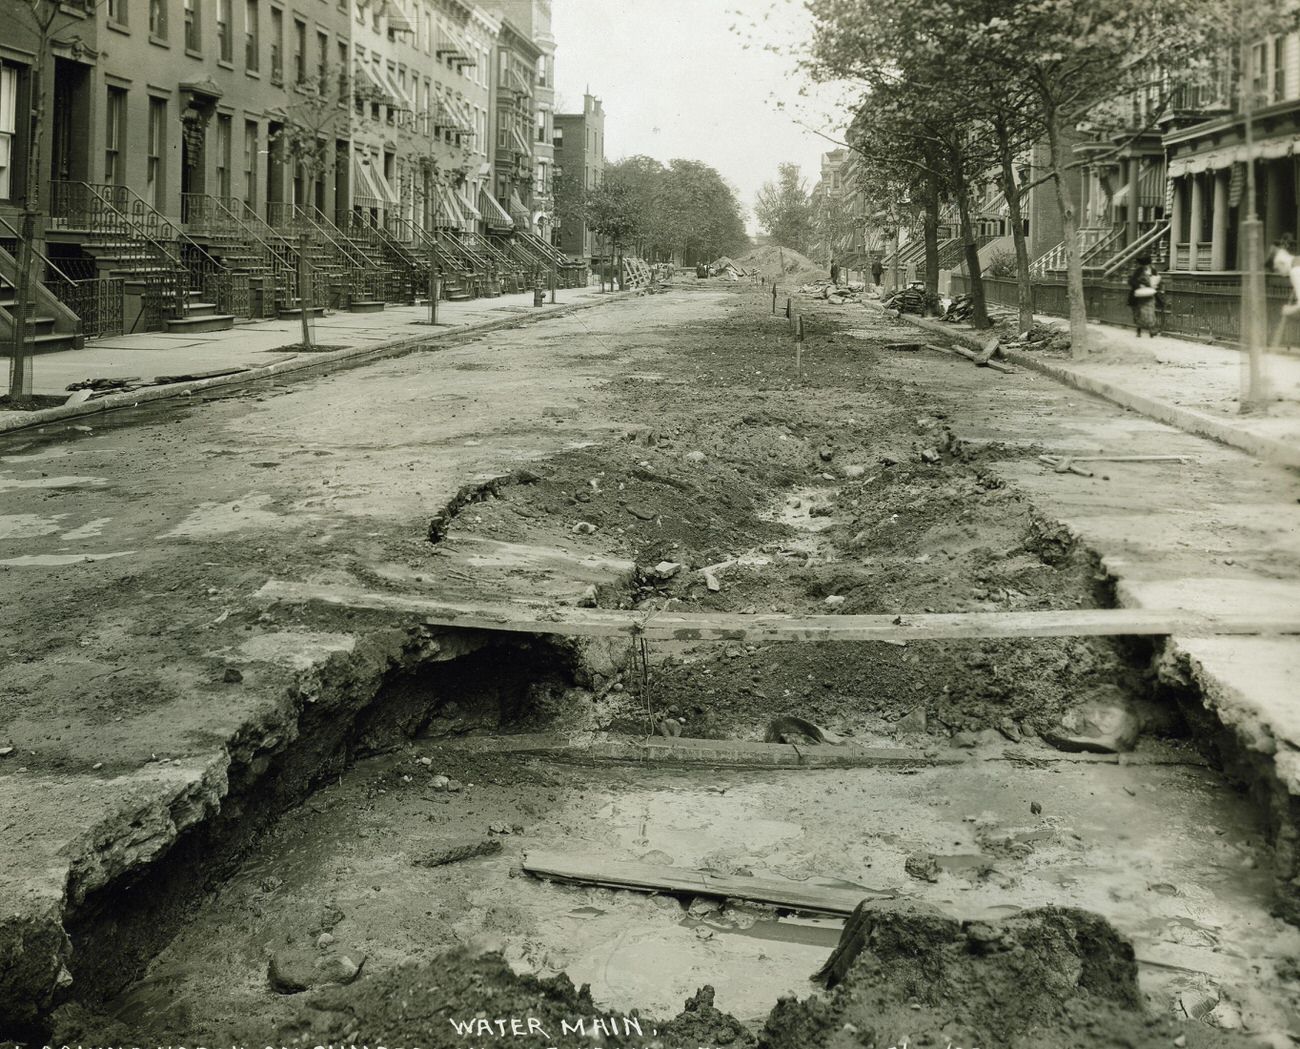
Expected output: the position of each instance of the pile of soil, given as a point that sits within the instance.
(837, 484)
(904, 974)
(423, 1005)
(784, 265)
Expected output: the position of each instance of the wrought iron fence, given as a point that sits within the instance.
(1204, 307)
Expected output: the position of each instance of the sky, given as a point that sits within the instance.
(676, 81)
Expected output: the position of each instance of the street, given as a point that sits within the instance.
(198, 773)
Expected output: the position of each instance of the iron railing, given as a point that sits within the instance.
(135, 253)
(98, 302)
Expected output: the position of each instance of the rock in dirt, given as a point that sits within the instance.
(695, 457)
(444, 854)
(296, 969)
(668, 727)
(711, 581)
(1103, 723)
(835, 600)
(924, 866)
(588, 598)
(790, 729)
(232, 676)
(665, 570)
(913, 723)
(583, 528)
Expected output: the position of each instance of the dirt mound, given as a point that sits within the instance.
(781, 264)
(458, 1000)
(905, 974)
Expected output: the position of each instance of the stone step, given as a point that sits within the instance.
(365, 306)
(294, 312)
(205, 322)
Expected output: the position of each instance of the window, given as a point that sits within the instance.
(277, 46)
(343, 71)
(541, 126)
(299, 51)
(192, 17)
(558, 138)
(158, 19)
(114, 135)
(8, 129)
(224, 44)
(323, 61)
(252, 38)
(154, 174)
(1279, 68)
(223, 155)
(250, 163)
(117, 12)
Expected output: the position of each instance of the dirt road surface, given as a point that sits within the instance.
(206, 787)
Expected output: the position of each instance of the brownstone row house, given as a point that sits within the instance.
(206, 161)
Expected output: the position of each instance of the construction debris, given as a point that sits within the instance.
(909, 300)
(961, 308)
(440, 857)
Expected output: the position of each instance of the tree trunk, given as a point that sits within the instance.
(931, 233)
(1070, 229)
(971, 247)
(20, 368)
(1024, 283)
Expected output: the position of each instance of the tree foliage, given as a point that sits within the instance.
(785, 211)
(1014, 73)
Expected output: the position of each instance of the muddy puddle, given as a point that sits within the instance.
(1132, 842)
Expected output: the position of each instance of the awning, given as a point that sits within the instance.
(1215, 159)
(521, 85)
(449, 207)
(493, 213)
(459, 112)
(471, 212)
(362, 184)
(386, 193)
(395, 89)
(450, 43)
(521, 143)
(517, 210)
(376, 80)
(397, 20)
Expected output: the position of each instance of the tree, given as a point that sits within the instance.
(45, 18)
(700, 213)
(784, 209)
(610, 212)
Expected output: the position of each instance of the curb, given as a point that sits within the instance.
(1186, 419)
(324, 361)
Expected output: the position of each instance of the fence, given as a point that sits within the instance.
(1204, 307)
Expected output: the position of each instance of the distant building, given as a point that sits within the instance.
(580, 155)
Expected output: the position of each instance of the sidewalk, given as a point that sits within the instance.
(1189, 385)
(258, 344)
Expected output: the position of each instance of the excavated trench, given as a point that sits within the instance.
(359, 877)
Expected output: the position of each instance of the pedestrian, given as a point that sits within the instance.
(877, 270)
(1142, 290)
(1283, 261)
(835, 274)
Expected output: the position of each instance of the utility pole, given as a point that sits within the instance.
(1254, 317)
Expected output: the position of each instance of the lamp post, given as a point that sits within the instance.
(1254, 318)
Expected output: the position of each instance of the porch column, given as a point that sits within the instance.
(1219, 231)
(1176, 222)
(1195, 233)
(1134, 165)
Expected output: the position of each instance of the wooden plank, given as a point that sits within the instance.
(649, 877)
(686, 750)
(723, 626)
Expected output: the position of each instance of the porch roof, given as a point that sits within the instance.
(1213, 160)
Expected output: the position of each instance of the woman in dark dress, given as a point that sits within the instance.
(1142, 291)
